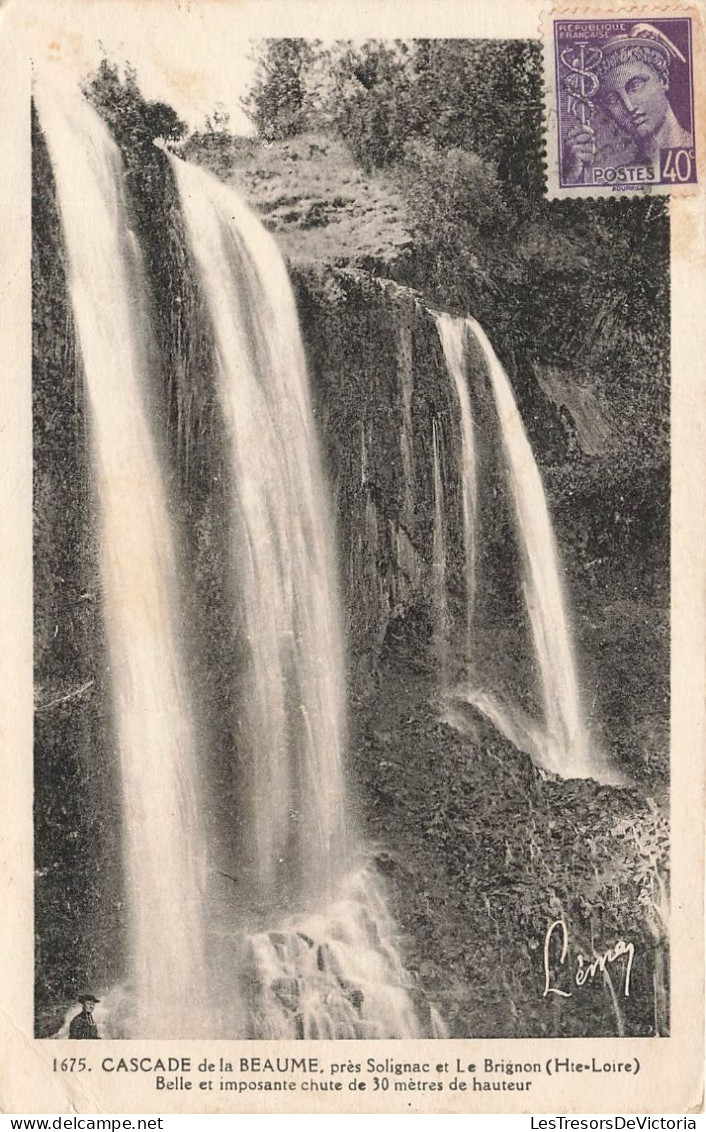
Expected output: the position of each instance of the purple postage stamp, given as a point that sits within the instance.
(623, 105)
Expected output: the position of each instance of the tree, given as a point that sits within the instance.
(277, 102)
(219, 121)
(484, 96)
(371, 99)
(133, 120)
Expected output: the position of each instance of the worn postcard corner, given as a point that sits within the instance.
(353, 580)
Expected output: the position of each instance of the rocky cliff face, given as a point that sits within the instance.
(311, 194)
(380, 387)
(379, 381)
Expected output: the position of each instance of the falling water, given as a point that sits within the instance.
(334, 972)
(452, 332)
(163, 838)
(291, 726)
(439, 591)
(327, 965)
(562, 744)
(566, 747)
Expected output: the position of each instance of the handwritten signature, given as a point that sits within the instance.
(586, 968)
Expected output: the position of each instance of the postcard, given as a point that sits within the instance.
(353, 560)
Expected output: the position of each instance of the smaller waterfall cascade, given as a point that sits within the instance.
(439, 567)
(561, 745)
(452, 332)
(566, 735)
(164, 847)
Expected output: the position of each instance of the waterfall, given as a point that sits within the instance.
(334, 973)
(566, 745)
(302, 945)
(163, 836)
(562, 744)
(327, 966)
(291, 726)
(452, 333)
(439, 590)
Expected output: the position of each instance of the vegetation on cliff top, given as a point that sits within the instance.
(450, 132)
(423, 160)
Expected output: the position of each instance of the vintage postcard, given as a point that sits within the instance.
(353, 571)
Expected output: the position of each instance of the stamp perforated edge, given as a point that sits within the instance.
(551, 141)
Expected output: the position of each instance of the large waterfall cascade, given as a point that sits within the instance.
(308, 949)
(560, 743)
(292, 717)
(164, 847)
(333, 972)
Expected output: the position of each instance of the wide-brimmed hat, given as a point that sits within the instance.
(84, 998)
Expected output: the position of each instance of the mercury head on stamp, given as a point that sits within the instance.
(627, 78)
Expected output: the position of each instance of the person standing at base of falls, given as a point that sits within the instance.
(83, 1025)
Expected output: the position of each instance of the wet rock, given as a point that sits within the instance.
(356, 997)
(287, 991)
(421, 1007)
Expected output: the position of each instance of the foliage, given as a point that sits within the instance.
(455, 126)
(368, 100)
(480, 95)
(218, 121)
(217, 149)
(452, 187)
(134, 121)
(487, 854)
(277, 102)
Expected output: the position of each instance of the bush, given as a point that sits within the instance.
(133, 121)
(277, 102)
(369, 103)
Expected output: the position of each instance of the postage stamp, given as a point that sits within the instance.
(621, 105)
